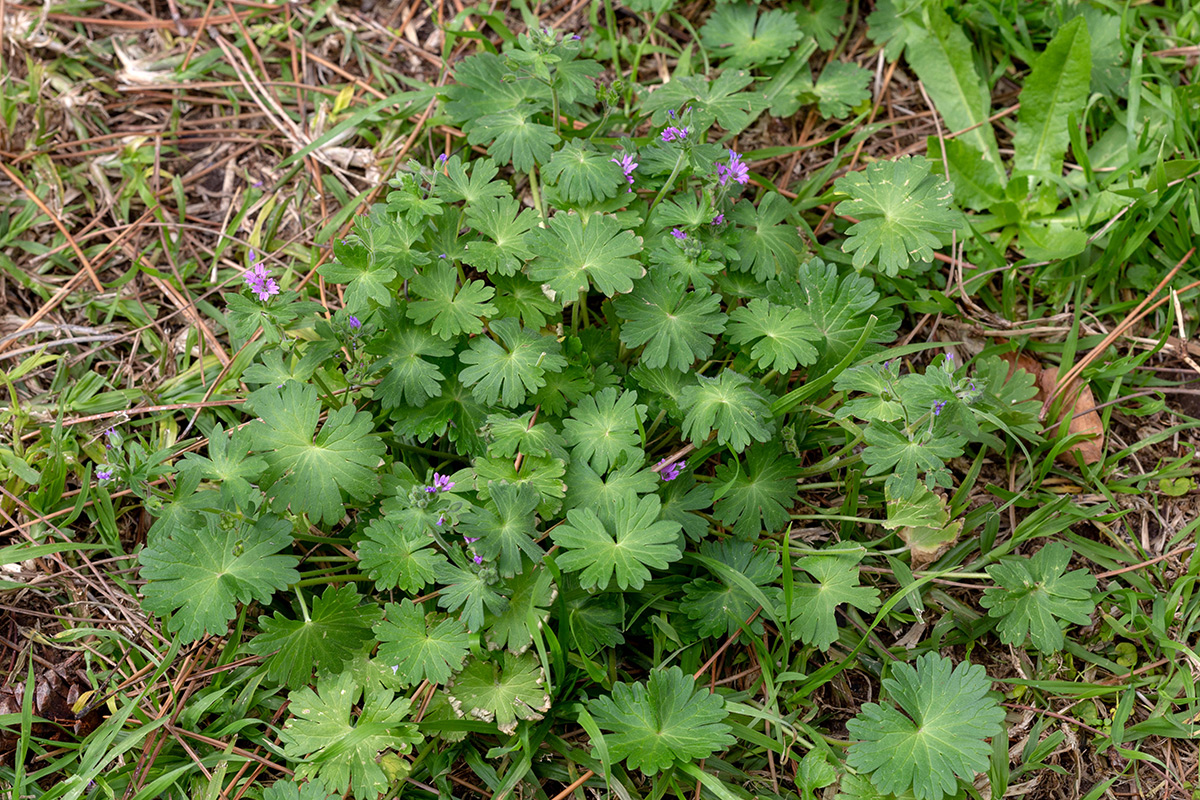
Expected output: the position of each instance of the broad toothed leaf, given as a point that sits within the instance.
(721, 100)
(228, 464)
(822, 20)
(409, 377)
(936, 735)
(396, 557)
(582, 174)
(504, 689)
(841, 87)
(469, 590)
(339, 749)
(603, 426)
(480, 89)
(478, 188)
(309, 470)
(668, 718)
(1031, 595)
(533, 592)
(575, 251)
(504, 527)
(420, 646)
(508, 370)
(767, 244)
(746, 37)
(451, 309)
(197, 576)
(513, 138)
(507, 227)
(720, 607)
(728, 404)
(903, 213)
(783, 337)
(840, 307)
(619, 546)
(675, 326)
(835, 581)
(333, 630)
(757, 494)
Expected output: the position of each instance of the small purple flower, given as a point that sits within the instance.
(938, 406)
(104, 474)
(443, 255)
(672, 133)
(355, 322)
(719, 219)
(478, 559)
(671, 113)
(441, 519)
(671, 471)
(678, 234)
(470, 539)
(443, 158)
(628, 165)
(258, 184)
(575, 37)
(441, 483)
(950, 358)
(260, 282)
(736, 170)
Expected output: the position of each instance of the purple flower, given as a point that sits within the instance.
(258, 184)
(671, 113)
(736, 170)
(938, 406)
(443, 255)
(575, 37)
(104, 474)
(260, 281)
(678, 234)
(470, 539)
(443, 158)
(355, 322)
(671, 471)
(478, 559)
(719, 219)
(441, 483)
(627, 164)
(672, 133)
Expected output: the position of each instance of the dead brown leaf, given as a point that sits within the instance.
(1079, 400)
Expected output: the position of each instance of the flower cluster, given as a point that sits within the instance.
(672, 133)
(735, 170)
(259, 279)
(628, 165)
(669, 472)
(441, 483)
